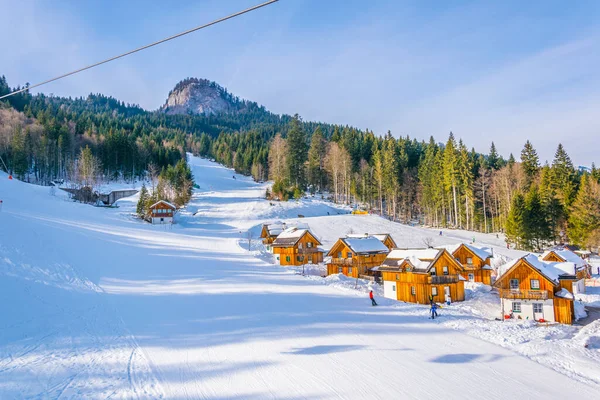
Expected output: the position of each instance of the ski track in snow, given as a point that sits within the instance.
(96, 304)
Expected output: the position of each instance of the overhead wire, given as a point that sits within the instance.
(237, 14)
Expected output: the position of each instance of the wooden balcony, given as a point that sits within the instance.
(523, 294)
(442, 279)
(307, 250)
(342, 261)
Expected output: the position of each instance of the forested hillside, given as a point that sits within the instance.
(439, 184)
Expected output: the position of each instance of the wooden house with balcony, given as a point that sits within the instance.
(161, 212)
(355, 256)
(297, 246)
(475, 261)
(269, 233)
(538, 290)
(422, 275)
(385, 238)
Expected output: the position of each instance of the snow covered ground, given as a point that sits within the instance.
(96, 304)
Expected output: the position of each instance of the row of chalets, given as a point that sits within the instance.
(539, 288)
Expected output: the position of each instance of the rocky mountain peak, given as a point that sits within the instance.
(200, 96)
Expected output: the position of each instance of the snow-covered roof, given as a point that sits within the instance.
(367, 244)
(551, 270)
(275, 228)
(564, 293)
(163, 202)
(420, 259)
(481, 252)
(566, 255)
(290, 236)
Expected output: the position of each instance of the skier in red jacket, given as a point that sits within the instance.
(373, 302)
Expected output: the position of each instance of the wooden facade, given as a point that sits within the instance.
(266, 237)
(524, 283)
(388, 241)
(476, 269)
(305, 250)
(441, 279)
(350, 263)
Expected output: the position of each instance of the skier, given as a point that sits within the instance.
(440, 233)
(433, 310)
(373, 302)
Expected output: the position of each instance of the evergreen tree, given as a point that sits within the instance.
(316, 157)
(451, 174)
(515, 224)
(297, 153)
(530, 162)
(493, 160)
(19, 155)
(584, 221)
(563, 177)
(141, 204)
(535, 224)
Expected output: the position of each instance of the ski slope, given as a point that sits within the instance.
(96, 304)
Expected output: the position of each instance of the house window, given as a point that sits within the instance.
(287, 258)
(349, 254)
(471, 278)
(339, 254)
(309, 245)
(538, 308)
(434, 291)
(514, 284)
(310, 259)
(340, 270)
(350, 270)
(433, 273)
(469, 261)
(413, 291)
(300, 246)
(393, 288)
(300, 258)
(516, 307)
(397, 277)
(534, 284)
(445, 270)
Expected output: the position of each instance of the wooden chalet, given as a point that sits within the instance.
(422, 275)
(355, 256)
(269, 233)
(583, 268)
(297, 246)
(475, 261)
(161, 212)
(539, 290)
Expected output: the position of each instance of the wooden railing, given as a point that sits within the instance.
(342, 261)
(307, 250)
(523, 294)
(441, 279)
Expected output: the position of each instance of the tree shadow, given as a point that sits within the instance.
(314, 350)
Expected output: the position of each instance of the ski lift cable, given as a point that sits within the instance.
(27, 87)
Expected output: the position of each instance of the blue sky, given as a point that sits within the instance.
(503, 71)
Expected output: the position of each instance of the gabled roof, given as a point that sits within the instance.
(364, 245)
(380, 236)
(481, 253)
(291, 236)
(421, 259)
(565, 255)
(273, 229)
(163, 202)
(552, 271)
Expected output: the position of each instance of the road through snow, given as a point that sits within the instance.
(97, 304)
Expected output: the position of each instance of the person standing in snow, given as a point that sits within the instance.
(433, 310)
(440, 233)
(373, 302)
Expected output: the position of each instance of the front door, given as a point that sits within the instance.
(447, 297)
(471, 278)
(538, 311)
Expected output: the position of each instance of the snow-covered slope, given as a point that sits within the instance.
(95, 304)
